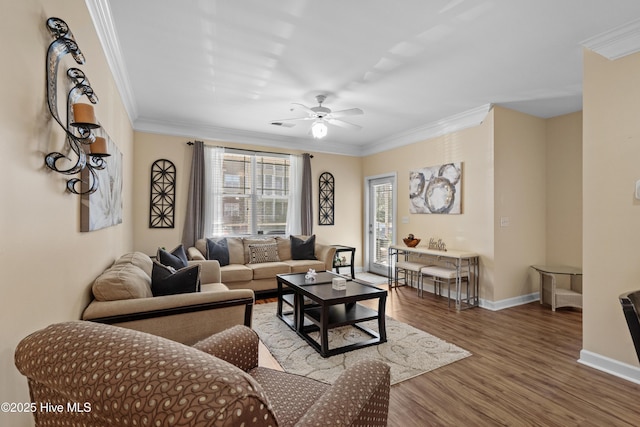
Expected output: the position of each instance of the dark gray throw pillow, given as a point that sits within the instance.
(303, 249)
(218, 250)
(167, 281)
(177, 258)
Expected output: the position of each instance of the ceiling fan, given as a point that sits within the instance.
(321, 116)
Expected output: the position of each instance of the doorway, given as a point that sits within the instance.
(380, 221)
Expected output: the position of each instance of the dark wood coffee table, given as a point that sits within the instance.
(316, 306)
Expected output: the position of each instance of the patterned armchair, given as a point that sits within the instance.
(106, 375)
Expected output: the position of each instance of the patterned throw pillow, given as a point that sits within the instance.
(259, 253)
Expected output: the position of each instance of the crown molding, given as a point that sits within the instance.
(617, 42)
(220, 134)
(454, 123)
(101, 16)
(450, 124)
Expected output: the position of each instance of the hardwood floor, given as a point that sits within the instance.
(523, 371)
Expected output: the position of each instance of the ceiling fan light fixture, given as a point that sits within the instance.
(319, 129)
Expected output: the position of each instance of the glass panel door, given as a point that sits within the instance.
(381, 223)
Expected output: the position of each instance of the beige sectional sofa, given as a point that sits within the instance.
(261, 277)
(122, 296)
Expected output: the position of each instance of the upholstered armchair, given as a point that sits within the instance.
(106, 375)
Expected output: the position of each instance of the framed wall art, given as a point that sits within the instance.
(104, 207)
(436, 189)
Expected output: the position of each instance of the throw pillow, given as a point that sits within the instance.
(177, 258)
(166, 281)
(263, 253)
(303, 249)
(218, 250)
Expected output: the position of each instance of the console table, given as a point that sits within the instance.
(463, 261)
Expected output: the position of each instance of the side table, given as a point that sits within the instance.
(337, 264)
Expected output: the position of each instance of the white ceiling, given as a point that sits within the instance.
(225, 69)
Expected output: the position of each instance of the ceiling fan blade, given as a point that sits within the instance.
(294, 119)
(295, 105)
(283, 124)
(343, 113)
(343, 124)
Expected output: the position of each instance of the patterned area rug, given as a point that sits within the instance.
(409, 351)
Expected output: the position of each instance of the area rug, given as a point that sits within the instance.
(373, 279)
(409, 351)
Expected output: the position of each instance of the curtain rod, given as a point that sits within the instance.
(244, 149)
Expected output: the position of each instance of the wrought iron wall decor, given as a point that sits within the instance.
(85, 147)
(163, 190)
(326, 199)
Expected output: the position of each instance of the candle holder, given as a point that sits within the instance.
(79, 134)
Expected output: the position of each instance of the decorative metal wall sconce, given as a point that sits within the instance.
(326, 199)
(84, 148)
(163, 194)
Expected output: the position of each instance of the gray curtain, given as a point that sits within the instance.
(194, 220)
(306, 205)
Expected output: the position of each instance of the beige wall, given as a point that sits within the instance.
(520, 200)
(564, 190)
(347, 171)
(472, 229)
(611, 226)
(47, 263)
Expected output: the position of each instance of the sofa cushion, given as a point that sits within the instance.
(236, 250)
(177, 258)
(218, 250)
(303, 265)
(213, 287)
(303, 248)
(290, 396)
(235, 273)
(138, 259)
(268, 270)
(248, 242)
(201, 246)
(284, 248)
(166, 281)
(125, 279)
(259, 253)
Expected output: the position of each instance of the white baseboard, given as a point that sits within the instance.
(610, 366)
(494, 305)
(509, 302)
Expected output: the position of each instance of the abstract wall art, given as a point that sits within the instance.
(104, 207)
(436, 189)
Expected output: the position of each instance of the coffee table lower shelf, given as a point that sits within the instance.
(349, 314)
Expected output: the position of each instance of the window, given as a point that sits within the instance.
(253, 195)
